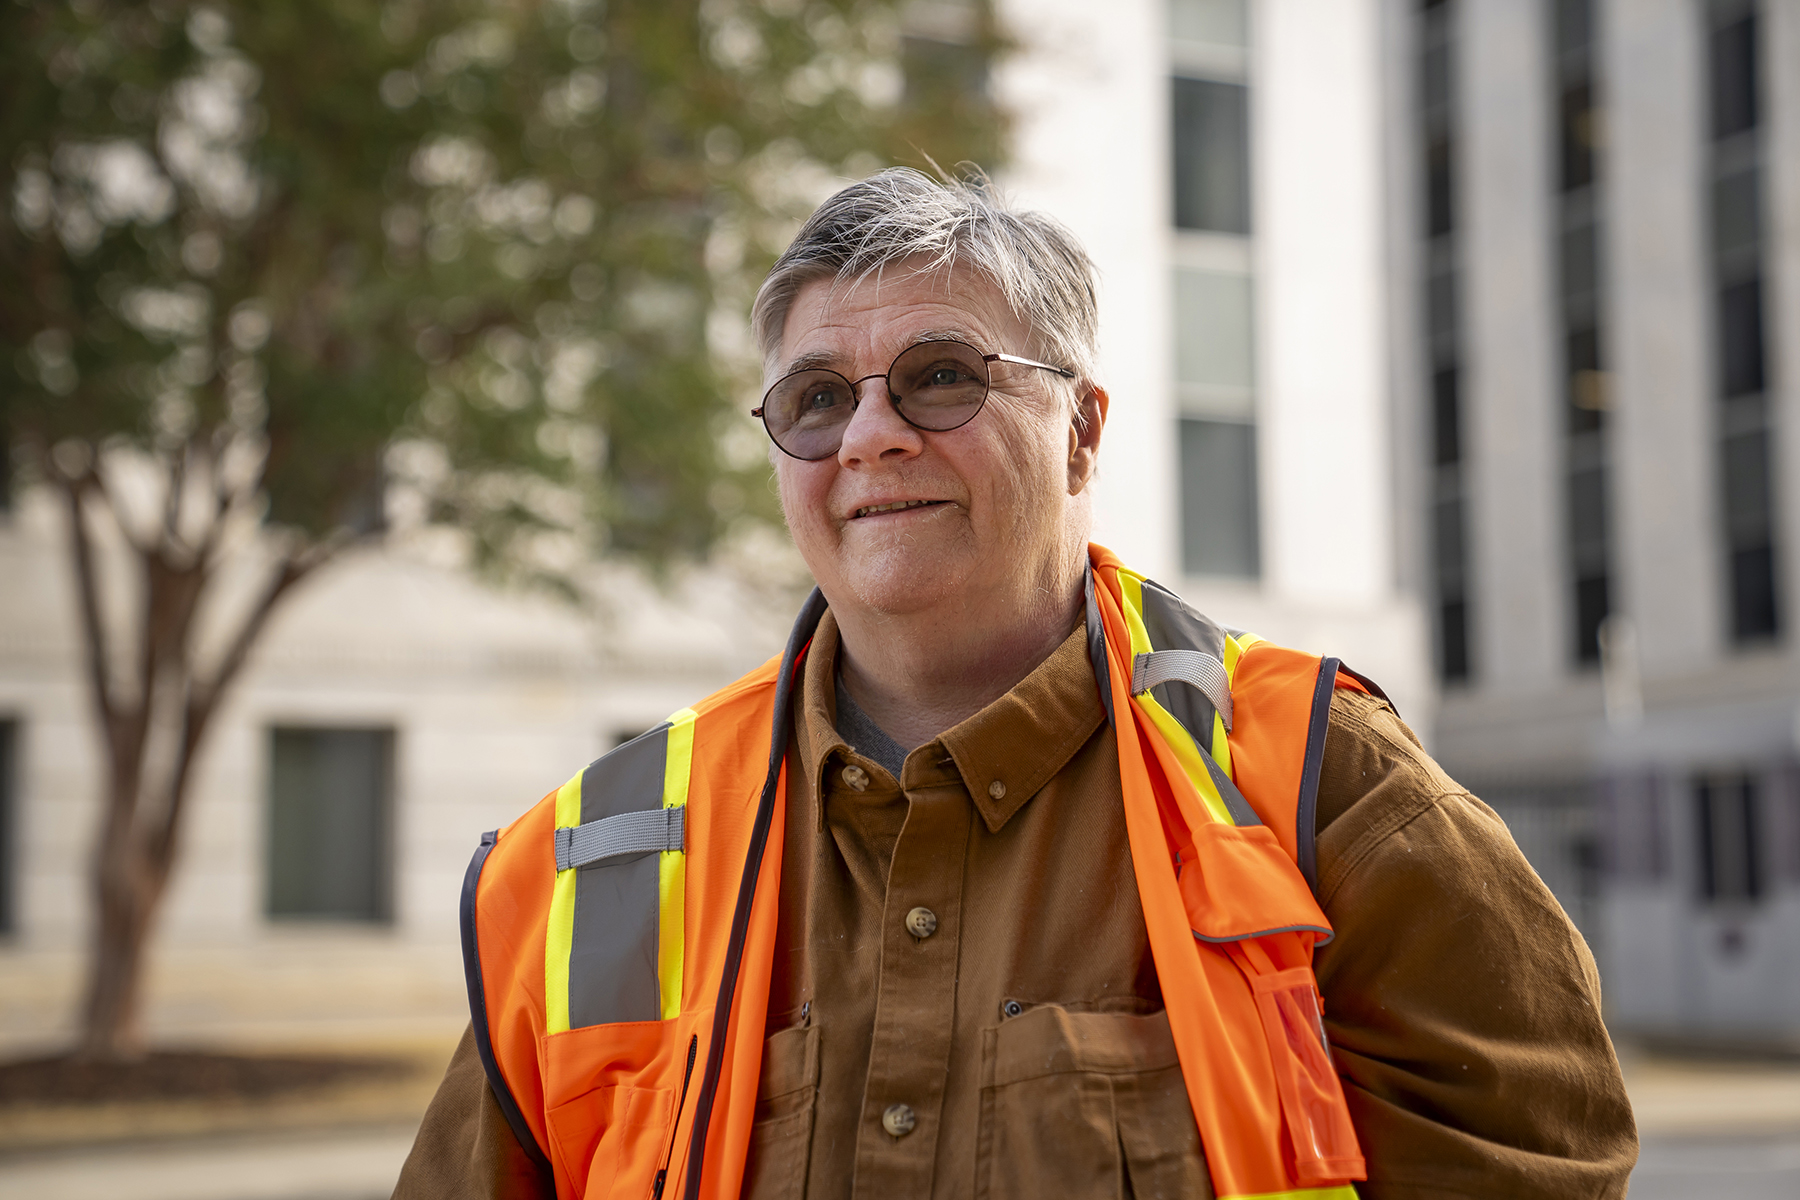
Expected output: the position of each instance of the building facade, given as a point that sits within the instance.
(1595, 232)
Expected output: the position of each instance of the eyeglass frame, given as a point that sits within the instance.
(896, 400)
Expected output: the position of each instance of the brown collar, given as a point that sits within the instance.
(1002, 755)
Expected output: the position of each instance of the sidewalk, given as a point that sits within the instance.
(326, 1164)
(1711, 1131)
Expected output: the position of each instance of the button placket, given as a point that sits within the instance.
(909, 1055)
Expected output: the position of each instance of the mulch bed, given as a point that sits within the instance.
(183, 1075)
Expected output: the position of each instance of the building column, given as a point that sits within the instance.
(1665, 511)
(1516, 522)
(1323, 405)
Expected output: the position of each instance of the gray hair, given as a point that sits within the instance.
(1033, 259)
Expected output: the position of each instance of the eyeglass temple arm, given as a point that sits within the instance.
(1026, 362)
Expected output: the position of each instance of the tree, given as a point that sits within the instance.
(275, 268)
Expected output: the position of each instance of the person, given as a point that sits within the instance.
(1015, 875)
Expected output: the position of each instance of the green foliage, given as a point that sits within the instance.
(495, 254)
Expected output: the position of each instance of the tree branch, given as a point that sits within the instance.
(93, 628)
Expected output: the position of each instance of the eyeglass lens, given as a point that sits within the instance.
(935, 385)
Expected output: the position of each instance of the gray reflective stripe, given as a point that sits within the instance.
(1239, 937)
(1195, 667)
(624, 836)
(618, 910)
(1235, 804)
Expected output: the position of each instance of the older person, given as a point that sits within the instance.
(1014, 876)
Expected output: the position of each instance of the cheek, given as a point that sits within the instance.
(802, 488)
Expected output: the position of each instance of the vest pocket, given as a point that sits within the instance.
(610, 1093)
(781, 1138)
(1085, 1104)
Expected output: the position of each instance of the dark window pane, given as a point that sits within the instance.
(1212, 156)
(9, 855)
(330, 823)
(1737, 224)
(1440, 303)
(1436, 86)
(1587, 520)
(1218, 498)
(1446, 416)
(1453, 639)
(1448, 546)
(1579, 122)
(1727, 812)
(1440, 218)
(1734, 84)
(1753, 612)
(1580, 262)
(1741, 338)
(1590, 611)
(1574, 25)
(1747, 494)
(1585, 383)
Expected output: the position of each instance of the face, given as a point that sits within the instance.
(903, 520)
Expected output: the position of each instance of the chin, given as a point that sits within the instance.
(901, 580)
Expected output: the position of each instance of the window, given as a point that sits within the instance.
(1215, 358)
(1446, 515)
(1218, 498)
(1746, 420)
(1726, 808)
(1212, 155)
(9, 846)
(1584, 395)
(331, 824)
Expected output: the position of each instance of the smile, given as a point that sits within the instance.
(897, 506)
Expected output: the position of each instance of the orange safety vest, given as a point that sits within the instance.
(618, 937)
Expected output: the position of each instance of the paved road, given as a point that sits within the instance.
(326, 1165)
(361, 1165)
(1717, 1168)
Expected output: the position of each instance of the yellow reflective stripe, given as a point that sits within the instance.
(1131, 585)
(1188, 755)
(1342, 1191)
(678, 761)
(559, 935)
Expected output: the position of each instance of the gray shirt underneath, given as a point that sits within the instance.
(865, 736)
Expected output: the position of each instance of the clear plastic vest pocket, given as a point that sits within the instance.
(1312, 1097)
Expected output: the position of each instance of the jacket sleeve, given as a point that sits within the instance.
(465, 1150)
(1462, 1005)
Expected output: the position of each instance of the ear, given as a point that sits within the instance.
(1084, 436)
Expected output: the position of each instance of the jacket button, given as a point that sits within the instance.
(1011, 1008)
(921, 922)
(899, 1120)
(855, 778)
(997, 790)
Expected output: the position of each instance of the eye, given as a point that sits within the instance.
(820, 399)
(942, 377)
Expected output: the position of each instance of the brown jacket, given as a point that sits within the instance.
(1026, 1031)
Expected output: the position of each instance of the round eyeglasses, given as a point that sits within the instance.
(936, 386)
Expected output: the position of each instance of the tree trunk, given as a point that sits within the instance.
(169, 697)
(125, 902)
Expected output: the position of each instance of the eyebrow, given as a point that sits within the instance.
(828, 360)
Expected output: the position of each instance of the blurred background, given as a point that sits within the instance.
(375, 382)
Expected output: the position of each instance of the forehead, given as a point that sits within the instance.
(862, 325)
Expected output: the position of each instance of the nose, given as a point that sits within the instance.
(877, 432)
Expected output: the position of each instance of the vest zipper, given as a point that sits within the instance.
(663, 1175)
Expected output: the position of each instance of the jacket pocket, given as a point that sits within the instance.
(781, 1138)
(1086, 1104)
(610, 1094)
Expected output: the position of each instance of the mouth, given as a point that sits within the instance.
(896, 506)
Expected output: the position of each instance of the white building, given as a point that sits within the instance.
(1226, 164)
(1596, 232)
